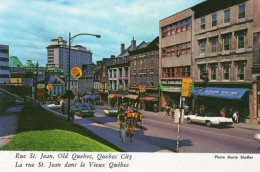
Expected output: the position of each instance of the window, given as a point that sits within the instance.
(141, 63)
(227, 16)
(240, 41)
(120, 72)
(240, 71)
(126, 72)
(140, 79)
(213, 74)
(144, 79)
(114, 73)
(226, 43)
(134, 79)
(214, 20)
(202, 23)
(226, 72)
(202, 47)
(134, 64)
(152, 79)
(144, 62)
(213, 45)
(202, 70)
(177, 27)
(241, 11)
(151, 61)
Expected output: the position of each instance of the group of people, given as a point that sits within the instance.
(171, 109)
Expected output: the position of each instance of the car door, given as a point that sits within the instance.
(200, 118)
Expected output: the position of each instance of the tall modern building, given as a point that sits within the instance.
(58, 54)
(4, 63)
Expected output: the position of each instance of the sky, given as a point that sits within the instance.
(28, 26)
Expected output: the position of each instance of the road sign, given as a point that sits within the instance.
(76, 72)
(186, 87)
(49, 87)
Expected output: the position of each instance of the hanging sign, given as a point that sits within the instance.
(49, 87)
(76, 72)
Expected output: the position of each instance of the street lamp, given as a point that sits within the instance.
(70, 40)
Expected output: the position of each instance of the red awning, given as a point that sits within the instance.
(148, 98)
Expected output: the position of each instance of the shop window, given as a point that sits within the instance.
(240, 41)
(227, 16)
(202, 47)
(214, 20)
(213, 45)
(240, 71)
(241, 11)
(202, 23)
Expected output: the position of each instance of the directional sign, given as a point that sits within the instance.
(186, 87)
(76, 72)
(49, 87)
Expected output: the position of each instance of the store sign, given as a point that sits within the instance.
(40, 86)
(49, 87)
(186, 87)
(76, 72)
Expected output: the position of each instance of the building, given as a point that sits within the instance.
(226, 48)
(58, 54)
(175, 55)
(4, 64)
(144, 73)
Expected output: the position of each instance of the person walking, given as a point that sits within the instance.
(123, 129)
(236, 116)
(131, 130)
(155, 107)
(223, 112)
(167, 110)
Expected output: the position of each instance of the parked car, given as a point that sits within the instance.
(111, 111)
(209, 118)
(74, 108)
(84, 112)
(90, 105)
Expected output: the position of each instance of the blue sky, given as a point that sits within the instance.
(27, 26)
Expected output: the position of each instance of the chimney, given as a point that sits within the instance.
(122, 48)
(133, 44)
(112, 56)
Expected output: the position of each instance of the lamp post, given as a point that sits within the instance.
(70, 40)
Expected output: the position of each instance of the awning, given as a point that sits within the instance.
(131, 96)
(92, 96)
(227, 93)
(111, 96)
(148, 98)
(120, 95)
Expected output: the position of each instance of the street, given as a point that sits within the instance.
(161, 131)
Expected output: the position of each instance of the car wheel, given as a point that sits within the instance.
(208, 123)
(189, 121)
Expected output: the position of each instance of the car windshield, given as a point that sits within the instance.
(211, 114)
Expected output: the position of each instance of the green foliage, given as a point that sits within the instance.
(39, 130)
(68, 95)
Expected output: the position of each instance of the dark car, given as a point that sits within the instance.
(84, 112)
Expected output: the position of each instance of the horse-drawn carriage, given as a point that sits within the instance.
(132, 116)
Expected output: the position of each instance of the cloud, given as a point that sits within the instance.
(27, 26)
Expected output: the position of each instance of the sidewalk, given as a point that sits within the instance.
(9, 124)
(247, 125)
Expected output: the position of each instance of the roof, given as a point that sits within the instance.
(29, 63)
(15, 62)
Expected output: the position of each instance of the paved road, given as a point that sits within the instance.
(161, 132)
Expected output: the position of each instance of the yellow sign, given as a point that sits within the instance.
(186, 87)
(76, 72)
(49, 87)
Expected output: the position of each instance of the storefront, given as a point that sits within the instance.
(216, 98)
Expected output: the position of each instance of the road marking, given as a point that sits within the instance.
(205, 131)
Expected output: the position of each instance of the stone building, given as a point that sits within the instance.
(223, 51)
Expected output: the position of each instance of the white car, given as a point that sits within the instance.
(209, 119)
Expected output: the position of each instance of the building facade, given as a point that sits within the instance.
(58, 54)
(4, 64)
(144, 72)
(175, 49)
(223, 52)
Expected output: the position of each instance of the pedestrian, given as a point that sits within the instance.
(131, 130)
(202, 109)
(167, 110)
(174, 107)
(223, 112)
(230, 111)
(123, 129)
(236, 116)
(155, 107)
